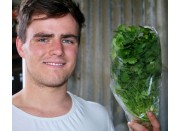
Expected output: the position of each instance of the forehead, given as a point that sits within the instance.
(44, 17)
(38, 17)
(42, 22)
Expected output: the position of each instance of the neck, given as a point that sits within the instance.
(45, 96)
(43, 102)
(40, 100)
(36, 94)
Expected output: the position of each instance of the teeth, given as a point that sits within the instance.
(54, 64)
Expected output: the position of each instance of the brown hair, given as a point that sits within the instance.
(51, 8)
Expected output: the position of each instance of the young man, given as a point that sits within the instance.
(48, 40)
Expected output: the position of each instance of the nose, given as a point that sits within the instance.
(57, 48)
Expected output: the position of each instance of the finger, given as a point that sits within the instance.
(154, 121)
(136, 127)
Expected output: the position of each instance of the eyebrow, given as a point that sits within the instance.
(51, 35)
(43, 35)
(69, 36)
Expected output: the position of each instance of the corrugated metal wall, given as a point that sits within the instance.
(92, 75)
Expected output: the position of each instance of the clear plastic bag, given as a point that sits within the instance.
(136, 68)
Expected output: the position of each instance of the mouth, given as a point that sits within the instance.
(55, 64)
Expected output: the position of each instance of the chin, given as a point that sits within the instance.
(55, 84)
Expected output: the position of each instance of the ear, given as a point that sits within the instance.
(19, 47)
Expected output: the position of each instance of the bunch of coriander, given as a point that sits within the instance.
(136, 71)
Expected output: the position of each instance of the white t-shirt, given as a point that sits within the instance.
(83, 116)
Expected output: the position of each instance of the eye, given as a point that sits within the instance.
(67, 41)
(43, 40)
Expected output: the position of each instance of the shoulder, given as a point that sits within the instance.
(93, 108)
(87, 103)
(94, 113)
(16, 99)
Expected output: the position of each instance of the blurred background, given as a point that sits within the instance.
(92, 75)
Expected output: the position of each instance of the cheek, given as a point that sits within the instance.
(73, 53)
(36, 50)
(33, 55)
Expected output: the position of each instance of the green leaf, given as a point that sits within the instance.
(136, 68)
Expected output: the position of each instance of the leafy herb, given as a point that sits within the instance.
(136, 69)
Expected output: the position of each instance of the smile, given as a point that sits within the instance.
(54, 64)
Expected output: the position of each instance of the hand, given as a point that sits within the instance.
(154, 122)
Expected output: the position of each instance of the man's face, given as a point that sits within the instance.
(50, 50)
